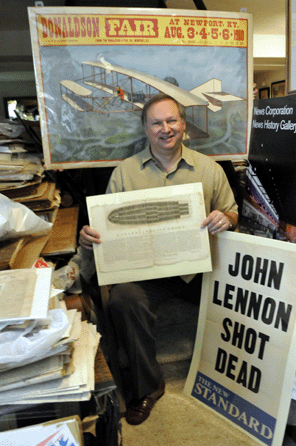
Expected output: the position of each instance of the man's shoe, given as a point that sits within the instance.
(139, 411)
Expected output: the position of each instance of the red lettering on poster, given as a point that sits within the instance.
(73, 26)
(123, 27)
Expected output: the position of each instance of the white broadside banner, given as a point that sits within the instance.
(244, 358)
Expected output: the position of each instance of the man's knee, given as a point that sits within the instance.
(124, 296)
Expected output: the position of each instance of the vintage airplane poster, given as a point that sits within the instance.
(244, 364)
(95, 68)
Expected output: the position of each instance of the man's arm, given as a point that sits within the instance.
(87, 235)
(218, 222)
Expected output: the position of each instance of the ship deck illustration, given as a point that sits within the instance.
(149, 212)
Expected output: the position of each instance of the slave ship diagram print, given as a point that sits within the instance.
(150, 228)
(149, 212)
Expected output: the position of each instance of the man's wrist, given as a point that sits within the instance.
(232, 217)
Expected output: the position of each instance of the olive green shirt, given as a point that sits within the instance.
(142, 171)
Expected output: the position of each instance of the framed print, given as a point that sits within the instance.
(95, 68)
(264, 93)
(278, 89)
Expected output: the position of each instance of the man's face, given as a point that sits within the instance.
(164, 127)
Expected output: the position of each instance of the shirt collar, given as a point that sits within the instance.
(187, 155)
(146, 156)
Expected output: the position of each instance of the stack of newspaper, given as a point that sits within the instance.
(18, 167)
(46, 353)
(22, 177)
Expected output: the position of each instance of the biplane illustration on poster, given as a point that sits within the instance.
(96, 67)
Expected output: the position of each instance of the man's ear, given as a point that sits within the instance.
(185, 136)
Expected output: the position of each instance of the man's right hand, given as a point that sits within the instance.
(88, 236)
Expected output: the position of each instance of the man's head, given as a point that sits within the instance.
(158, 98)
(164, 123)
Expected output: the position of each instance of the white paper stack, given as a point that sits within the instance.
(19, 169)
(46, 355)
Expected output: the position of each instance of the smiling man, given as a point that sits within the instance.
(165, 127)
(164, 162)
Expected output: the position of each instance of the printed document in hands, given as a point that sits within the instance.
(150, 233)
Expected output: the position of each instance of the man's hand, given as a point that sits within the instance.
(219, 222)
(88, 236)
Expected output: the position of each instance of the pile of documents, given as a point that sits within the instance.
(17, 166)
(22, 177)
(39, 198)
(23, 181)
(47, 353)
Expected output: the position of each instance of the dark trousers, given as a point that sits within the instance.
(132, 310)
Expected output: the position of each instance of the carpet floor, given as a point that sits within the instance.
(178, 420)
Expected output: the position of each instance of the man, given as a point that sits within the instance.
(166, 161)
(120, 92)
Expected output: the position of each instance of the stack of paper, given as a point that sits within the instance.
(21, 169)
(46, 355)
(12, 149)
(43, 197)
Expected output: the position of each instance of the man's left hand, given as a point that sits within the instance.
(216, 222)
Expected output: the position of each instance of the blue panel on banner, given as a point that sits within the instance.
(237, 409)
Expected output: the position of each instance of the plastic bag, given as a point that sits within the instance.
(86, 262)
(17, 220)
(11, 129)
(65, 277)
(18, 347)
